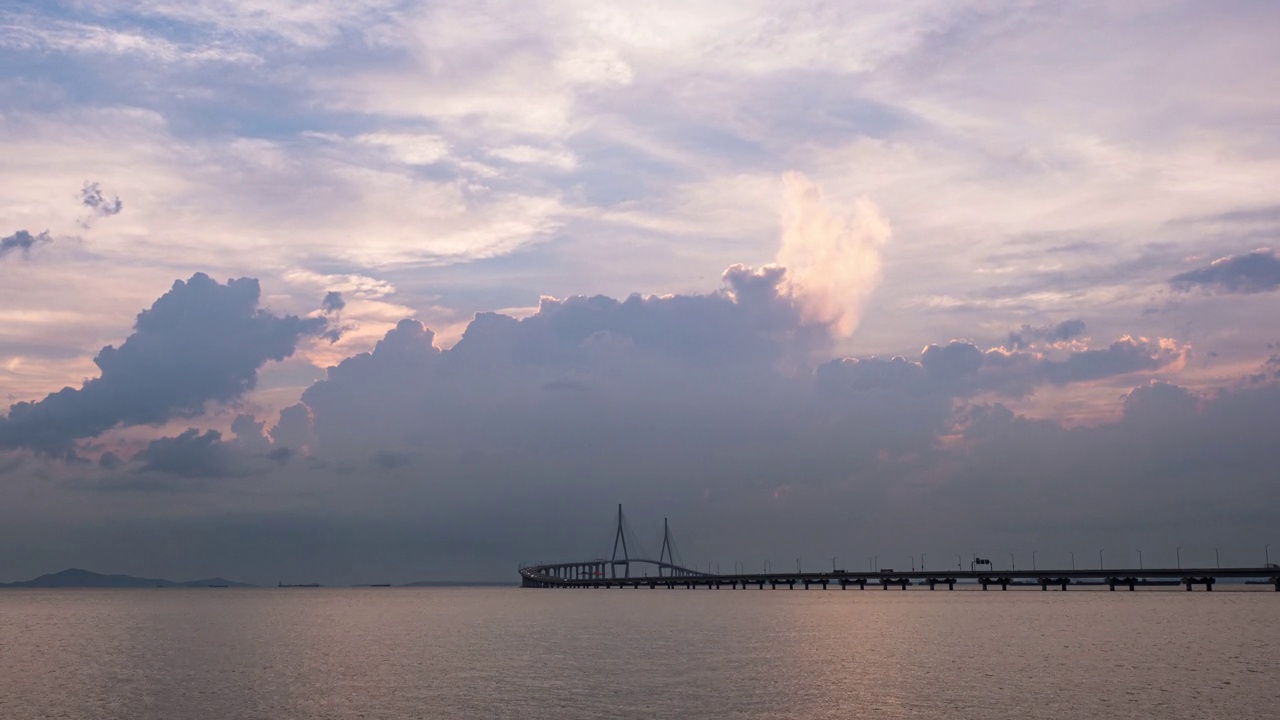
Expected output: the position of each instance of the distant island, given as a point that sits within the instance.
(78, 578)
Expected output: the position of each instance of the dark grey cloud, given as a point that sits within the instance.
(22, 241)
(510, 443)
(250, 434)
(191, 454)
(1018, 373)
(1176, 459)
(1254, 272)
(960, 369)
(1026, 336)
(294, 428)
(109, 460)
(202, 341)
(91, 196)
(698, 389)
(333, 302)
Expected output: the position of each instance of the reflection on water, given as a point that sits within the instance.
(511, 653)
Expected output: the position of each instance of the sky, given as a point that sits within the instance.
(388, 290)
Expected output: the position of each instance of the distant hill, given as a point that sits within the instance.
(78, 578)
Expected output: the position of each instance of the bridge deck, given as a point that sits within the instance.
(561, 575)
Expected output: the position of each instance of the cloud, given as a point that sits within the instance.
(293, 431)
(686, 403)
(1027, 336)
(832, 257)
(624, 349)
(1254, 272)
(249, 434)
(22, 241)
(960, 369)
(1178, 458)
(633, 373)
(332, 302)
(202, 341)
(1018, 373)
(91, 197)
(190, 455)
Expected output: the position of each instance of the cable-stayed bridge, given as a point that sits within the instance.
(618, 567)
(622, 570)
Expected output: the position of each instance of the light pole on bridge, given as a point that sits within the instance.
(1013, 565)
(833, 563)
(959, 563)
(1178, 552)
(1100, 567)
(1033, 561)
(913, 562)
(1073, 559)
(1217, 559)
(921, 562)
(1139, 559)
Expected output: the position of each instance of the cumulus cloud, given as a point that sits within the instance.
(293, 431)
(687, 401)
(22, 241)
(640, 372)
(250, 434)
(1254, 272)
(833, 258)
(333, 302)
(644, 349)
(961, 369)
(1018, 373)
(191, 454)
(1185, 459)
(202, 341)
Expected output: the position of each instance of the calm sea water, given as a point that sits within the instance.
(512, 653)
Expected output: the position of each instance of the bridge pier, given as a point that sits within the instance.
(1207, 581)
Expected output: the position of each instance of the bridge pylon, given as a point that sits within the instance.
(665, 555)
(620, 536)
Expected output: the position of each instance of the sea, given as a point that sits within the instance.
(496, 652)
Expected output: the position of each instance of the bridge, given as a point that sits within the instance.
(670, 573)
